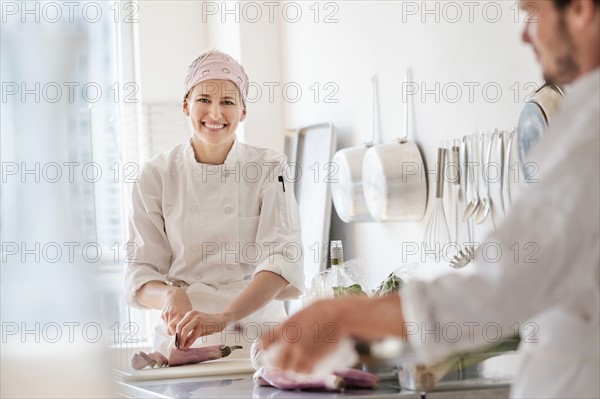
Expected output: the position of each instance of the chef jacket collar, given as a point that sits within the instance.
(583, 83)
(230, 160)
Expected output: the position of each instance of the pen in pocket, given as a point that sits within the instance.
(280, 178)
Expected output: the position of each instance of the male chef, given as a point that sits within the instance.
(553, 301)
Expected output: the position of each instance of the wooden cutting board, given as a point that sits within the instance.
(206, 369)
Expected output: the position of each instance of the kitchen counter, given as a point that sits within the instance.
(242, 386)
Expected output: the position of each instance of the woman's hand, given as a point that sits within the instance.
(177, 304)
(261, 290)
(196, 324)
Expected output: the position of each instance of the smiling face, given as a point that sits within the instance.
(215, 109)
(547, 31)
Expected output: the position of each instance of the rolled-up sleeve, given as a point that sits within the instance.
(461, 312)
(279, 231)
(149, 252)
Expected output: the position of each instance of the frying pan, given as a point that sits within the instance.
(394, 180)
(534, 120)
(347, 193)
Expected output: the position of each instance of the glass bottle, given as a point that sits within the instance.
(336, 252)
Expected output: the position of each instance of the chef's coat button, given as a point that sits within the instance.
(195, 209)
(228, 210)
(230, 267)
(196, 173)
(195, 247)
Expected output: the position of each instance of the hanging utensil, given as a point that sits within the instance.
(472, 195)
(485, 206)
(437, 234)
(508, 176)
(463, 227)
(348, 192)
(395, 186)
(454, 179)
(496, 185)
(463, 258)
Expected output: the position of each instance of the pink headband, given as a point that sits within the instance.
(216, 65)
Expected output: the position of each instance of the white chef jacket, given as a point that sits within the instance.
(552, 283)
(211, 228)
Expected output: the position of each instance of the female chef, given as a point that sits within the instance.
(214, 230)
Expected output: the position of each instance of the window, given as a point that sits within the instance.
(70, 121)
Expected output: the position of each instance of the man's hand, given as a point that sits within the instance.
(305, 338)
(308, 336)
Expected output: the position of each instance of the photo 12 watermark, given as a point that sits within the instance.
(54, 12)
(71, 332)
(68, 252)
(293, 92)
(453, 92)
(488, 251)
(70, 92)
(453, 12)
(489, 332)
(69, 172)
(291, 12)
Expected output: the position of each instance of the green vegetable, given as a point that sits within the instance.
(354, 289)
(426, 377)
(390, 285)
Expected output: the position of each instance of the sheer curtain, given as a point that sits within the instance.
(68, 112)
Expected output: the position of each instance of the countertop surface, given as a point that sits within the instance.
(242, 386)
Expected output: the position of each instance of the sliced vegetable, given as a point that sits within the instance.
(138, 361)
(151, 362)
(161, 360)
(178, 357)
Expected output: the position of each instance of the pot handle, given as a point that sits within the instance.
(440, 172)
(407, 80)
(375, 112)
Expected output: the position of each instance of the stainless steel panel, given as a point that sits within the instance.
(310, 151)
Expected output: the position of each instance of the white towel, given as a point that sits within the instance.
(343, 357)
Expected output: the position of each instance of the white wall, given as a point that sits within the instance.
(481, 47)
(261, 57)
(171, 36)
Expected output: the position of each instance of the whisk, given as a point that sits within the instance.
(437, 234)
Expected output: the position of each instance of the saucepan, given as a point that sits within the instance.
(348, 193)
(395, 183)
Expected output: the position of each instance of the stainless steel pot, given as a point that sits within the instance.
(395, 183)
(347, 193)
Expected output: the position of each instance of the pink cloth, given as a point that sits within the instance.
(216, 65)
